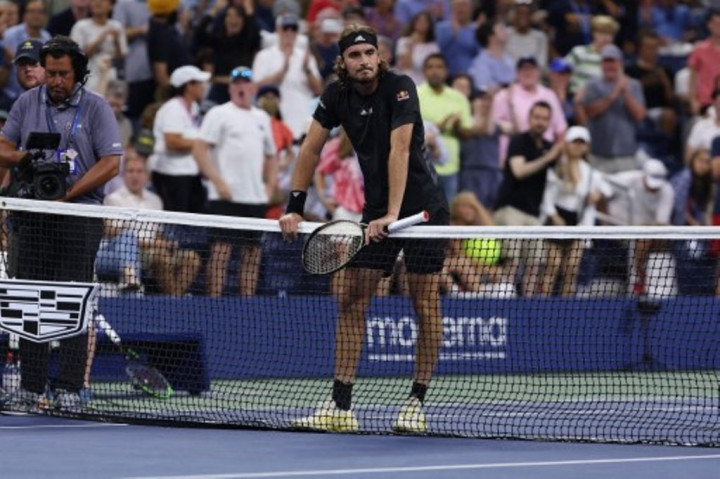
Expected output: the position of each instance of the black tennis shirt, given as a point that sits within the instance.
(368, 121)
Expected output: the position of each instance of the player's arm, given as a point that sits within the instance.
(307, 160)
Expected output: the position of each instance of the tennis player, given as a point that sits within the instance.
(380, 112)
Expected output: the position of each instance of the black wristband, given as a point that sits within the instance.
(296, 203)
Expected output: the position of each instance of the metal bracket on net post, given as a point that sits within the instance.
(45, 311)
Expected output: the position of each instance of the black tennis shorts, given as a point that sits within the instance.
(421, 256)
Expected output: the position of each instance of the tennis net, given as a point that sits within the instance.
(548, 333)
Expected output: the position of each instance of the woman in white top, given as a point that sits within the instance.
(572, 191)
(417, 43)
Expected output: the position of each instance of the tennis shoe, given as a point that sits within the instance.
(67, 401)
(329, 418)
(411, 418)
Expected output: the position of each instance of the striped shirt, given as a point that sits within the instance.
(586, 63)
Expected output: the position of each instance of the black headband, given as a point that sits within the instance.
(356, 39)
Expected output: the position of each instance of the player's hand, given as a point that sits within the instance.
(377, 229)
(289, 225)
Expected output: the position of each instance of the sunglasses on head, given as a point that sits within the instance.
(241, 73)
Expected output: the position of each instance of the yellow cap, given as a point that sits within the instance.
(163, 7)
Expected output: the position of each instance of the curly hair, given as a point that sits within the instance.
(339, 68)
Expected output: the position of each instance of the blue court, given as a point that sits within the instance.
(47, 447)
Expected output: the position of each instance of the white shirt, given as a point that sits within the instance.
(633, 204)
(174, 117)
(242, 139)
(702, 134)
(146, 200)
(296, 97)
(558, 194)
(85, 32)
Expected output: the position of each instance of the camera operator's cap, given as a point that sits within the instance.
(186, 74)
(241, 73)
(655, 173)
(144, 142)
(560, 65)
(575, 133)
(611, 52)
(28, 50)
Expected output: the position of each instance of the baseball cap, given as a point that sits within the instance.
(287, 20)
(559, 65)
(162, 7)
(655, 173)
(30, 50)
(241, 73)
(522, 61)
(331, 25)
(611, 52)
(186, 74)
(577, 133)
(144, 142)
(265, 89)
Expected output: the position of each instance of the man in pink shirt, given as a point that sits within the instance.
(511, 105)
(704, 66)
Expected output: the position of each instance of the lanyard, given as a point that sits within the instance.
(73, 129)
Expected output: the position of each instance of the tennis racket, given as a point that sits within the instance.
(142, 376)
(333, 245)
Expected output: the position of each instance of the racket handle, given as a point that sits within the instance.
(413, 220)
(109, 331)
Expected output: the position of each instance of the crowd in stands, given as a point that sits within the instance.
(559, 112)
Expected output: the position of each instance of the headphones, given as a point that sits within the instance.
(61, 45)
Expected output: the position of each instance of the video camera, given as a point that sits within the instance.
(39, 174)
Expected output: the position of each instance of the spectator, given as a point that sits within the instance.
(572, 192)
(463, 83)
(559, 73)
(670, 20)
(704, 66)
(406, 10)
(415, 45)
(381, 17)
(134, 16)
(100, 38)
(235, 42)
(529, 157)
(511, 106)
(523, 39)
(346, 189)
(9, 15)
(34, 17)
(116, 95)
(324, 46)
(456, 37)
(62, 22)
(131, 248)
(571, 23)
(294, 70)
(450, 111)
(614, 106)
(656, 84)
(166, 48)
(704, 130)
(493, 68)
(480, 156)
(586, 60)
(648, 201)
(175, 173)
(237, 188)
(694, 191)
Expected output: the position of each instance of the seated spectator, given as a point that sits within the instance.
(511, 106)
(656, 84)
(521, 192)
(524, 40)
(647, 199)
(415, 45)
(471, 264)
(704, 131)
(455, 35)
(100, 38)
(480, 171)
(614, 106)
(572, 192)
(559, 73)
(493, 68)
(586, 60)
(131, 248)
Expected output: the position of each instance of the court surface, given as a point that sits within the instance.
(47, 447)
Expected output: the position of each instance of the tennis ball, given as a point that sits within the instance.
(483, 250)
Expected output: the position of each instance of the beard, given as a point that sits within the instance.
(364, 79)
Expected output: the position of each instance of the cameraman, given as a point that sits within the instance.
(50, 247)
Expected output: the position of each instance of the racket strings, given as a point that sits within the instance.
(333, 246)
